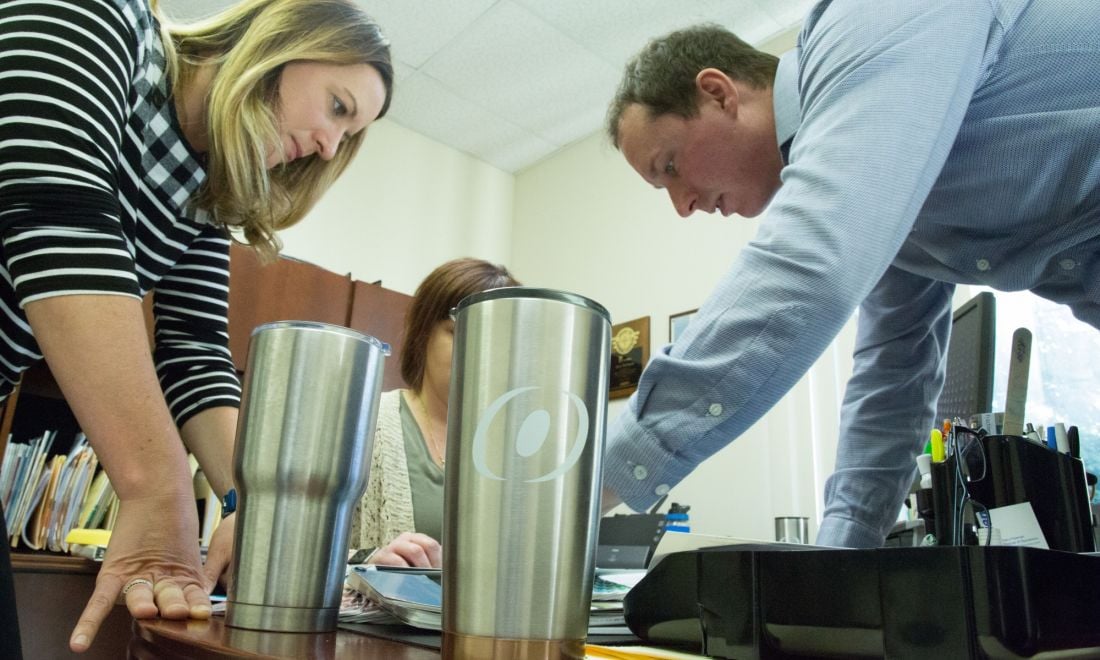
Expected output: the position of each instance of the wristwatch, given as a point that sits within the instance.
(229, 502)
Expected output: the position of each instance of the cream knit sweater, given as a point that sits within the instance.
(386, 509)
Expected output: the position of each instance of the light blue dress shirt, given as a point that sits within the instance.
(935, 142)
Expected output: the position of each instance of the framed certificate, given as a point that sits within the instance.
(677, 323)
(629, 355)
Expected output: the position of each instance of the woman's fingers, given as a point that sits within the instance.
(410, 549)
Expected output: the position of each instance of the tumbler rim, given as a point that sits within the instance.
(323, 327)
(532, 292)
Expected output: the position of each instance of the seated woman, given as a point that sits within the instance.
(401, 514)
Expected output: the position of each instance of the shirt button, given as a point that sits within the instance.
(715, 409)
(640, 472)
(1067, 264)
(661, 490)
(983, 264)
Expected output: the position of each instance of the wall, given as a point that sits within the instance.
(404, 206)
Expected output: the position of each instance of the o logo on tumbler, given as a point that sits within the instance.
(532, 435)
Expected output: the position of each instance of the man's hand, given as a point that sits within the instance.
(608, 501)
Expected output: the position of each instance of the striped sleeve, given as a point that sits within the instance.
(65, 76)
(190, 305)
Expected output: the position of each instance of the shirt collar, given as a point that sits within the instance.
(785, 98)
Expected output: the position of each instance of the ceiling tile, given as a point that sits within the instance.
(516, 65)
(418, 28)
(616, 29)
(519, 153)
(427, 107)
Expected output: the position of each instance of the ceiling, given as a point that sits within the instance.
(512, 81)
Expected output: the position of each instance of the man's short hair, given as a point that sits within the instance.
(661, 77)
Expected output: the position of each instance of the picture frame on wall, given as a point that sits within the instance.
(677, 323)
(629, 355)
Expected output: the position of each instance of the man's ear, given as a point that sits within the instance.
(716, 86)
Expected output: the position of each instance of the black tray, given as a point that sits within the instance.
(927, 602)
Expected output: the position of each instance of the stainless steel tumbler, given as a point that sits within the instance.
(303, 452)
(526, 425)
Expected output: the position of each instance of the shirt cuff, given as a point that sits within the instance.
(637, 466)
(845, 533)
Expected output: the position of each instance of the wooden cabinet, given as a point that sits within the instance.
(292, 290)
(51, 592)
(286, 290)
(372, 313)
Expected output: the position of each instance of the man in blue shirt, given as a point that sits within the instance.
(901, 148)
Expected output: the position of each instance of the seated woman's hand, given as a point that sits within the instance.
(409, 549)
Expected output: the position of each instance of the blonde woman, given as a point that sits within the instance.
(401, 514)
(131, 149)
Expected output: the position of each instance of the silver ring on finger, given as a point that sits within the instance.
(135, 582)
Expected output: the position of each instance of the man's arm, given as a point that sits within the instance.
(877, 125)
(898, 373)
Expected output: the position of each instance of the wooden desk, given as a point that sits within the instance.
(158, 639)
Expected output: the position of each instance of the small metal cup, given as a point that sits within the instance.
(792, 529)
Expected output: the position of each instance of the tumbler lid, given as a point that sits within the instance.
(323, 327)
(532, 292)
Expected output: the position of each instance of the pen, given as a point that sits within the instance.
(1061, 437)
(1074, 442)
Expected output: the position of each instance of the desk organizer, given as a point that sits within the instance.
(1017, 470)
(762, 602)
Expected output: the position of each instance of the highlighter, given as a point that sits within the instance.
(937, 446)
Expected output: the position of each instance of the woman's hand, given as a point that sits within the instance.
(219, 556)
(210, 436)
(409, 549)
(153, 549)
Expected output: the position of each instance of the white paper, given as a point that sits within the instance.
(1018, 526)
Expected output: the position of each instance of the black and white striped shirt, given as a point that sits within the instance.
(94, 180)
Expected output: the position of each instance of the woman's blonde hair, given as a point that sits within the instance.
(249, 44)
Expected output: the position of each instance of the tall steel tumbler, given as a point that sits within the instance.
(303, 452)
(526, 425)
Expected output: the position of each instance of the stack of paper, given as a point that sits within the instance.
(608, 590)
(98, 503)
(45, 497)
(354, 608)
(72, 487)
(23, 482)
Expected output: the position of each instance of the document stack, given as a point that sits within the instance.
(45, 497)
